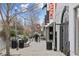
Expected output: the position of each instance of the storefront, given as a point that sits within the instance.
(67, 18)
(49, 26)
(64, 31)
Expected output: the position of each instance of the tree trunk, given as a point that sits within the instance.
(7, 31)
(7, 40)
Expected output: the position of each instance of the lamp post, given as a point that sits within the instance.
(15, 22)
(24, 26)
(16, 28)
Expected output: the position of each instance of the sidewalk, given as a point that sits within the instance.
(35, 49)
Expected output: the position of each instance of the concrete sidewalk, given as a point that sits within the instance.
(35, 49)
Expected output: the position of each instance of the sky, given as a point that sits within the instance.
(19, 6)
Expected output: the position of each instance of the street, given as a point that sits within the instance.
(35, 49)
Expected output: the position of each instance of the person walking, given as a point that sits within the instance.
(39, 37)
(36, 37)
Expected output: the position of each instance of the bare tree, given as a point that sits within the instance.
(34, 16)
(7, 16)
(6, 19)
(6, 27)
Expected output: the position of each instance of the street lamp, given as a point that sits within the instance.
(15, 22)
(24, 26)
(16, 28)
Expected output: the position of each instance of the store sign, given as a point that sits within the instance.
(51, 10)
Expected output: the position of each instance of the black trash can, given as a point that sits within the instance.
(21, 43)
(49, 45)
(14, 44)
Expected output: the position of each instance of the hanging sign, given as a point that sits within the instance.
(51, 10)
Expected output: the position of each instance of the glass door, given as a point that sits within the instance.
(77, 30)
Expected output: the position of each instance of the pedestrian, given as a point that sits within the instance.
(39, 38)
(36, 37)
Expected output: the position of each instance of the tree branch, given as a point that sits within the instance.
(1, 14)
(12, 16)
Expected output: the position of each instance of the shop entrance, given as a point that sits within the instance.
(77, 30)
(64, 41)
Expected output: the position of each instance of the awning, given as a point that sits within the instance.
(48, 24)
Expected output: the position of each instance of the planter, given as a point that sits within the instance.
(14, 44)
(21, 43)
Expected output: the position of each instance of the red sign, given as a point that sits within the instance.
(37, 27)
(51, 10)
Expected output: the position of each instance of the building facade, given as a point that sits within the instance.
(62, 27)
(66, 19)
(67, 37)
